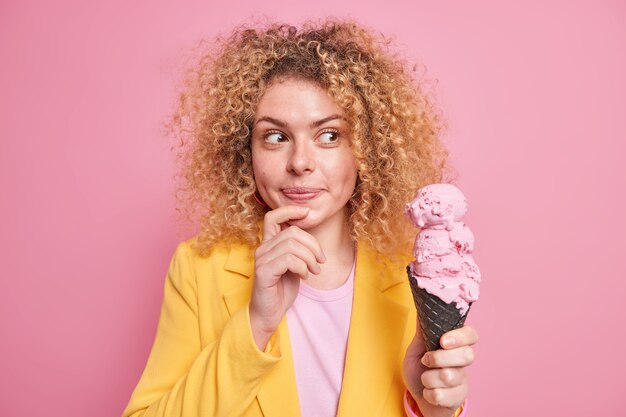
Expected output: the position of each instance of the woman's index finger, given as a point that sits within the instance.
(273, 219)
(463, 336)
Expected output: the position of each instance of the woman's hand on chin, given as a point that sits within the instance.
(286, 255)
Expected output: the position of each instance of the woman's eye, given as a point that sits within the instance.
(275, 138)
(329, 137)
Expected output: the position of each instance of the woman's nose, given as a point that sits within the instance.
(301, 158)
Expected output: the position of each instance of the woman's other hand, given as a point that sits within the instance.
(437, 379)
(286, 255)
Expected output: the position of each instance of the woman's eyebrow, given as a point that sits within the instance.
(284, 124)
(326, 119)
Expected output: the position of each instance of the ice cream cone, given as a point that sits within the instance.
(435, 316)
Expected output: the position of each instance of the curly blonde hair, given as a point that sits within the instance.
(395, 127)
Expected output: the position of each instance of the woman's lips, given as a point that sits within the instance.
(301, 193)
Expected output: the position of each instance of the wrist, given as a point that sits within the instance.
(260, 332)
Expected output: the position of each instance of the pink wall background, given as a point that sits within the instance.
(534, 93)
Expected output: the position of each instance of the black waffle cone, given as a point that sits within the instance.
(435, 316)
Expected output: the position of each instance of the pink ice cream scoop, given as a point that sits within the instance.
(431, 243)
(451, 265)
(444, 266)
(437, 206)
(449, 288)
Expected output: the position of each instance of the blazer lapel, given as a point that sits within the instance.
(377, 327)
(278, 395)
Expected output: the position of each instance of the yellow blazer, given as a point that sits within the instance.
(204, 361)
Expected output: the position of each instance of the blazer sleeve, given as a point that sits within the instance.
(181, 379)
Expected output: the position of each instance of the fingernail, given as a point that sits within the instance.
(448, 341)
(323, 257)
(426, 360)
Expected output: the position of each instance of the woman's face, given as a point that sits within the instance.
(301, 152)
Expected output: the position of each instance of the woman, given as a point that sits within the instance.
(300, 148)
